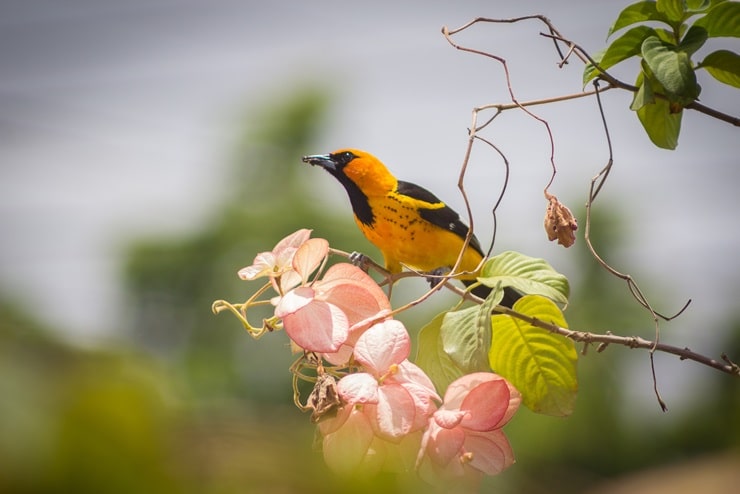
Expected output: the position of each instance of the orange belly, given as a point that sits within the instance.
(405, 238)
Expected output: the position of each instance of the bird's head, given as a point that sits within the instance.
(352, 166)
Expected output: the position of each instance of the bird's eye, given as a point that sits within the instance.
(344, 157)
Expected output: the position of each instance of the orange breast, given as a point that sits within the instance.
(405, 238)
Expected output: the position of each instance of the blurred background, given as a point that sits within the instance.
(149, 149)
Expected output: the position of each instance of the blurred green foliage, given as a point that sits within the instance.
(192, 404)
(171, 283)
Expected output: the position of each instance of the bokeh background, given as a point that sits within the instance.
(148, 150)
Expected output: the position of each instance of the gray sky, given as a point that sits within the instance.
(141, 97)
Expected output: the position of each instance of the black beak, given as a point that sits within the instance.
(322, 160)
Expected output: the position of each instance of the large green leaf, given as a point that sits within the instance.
(661, 124)
(456, 343)
(626, 46)
(637, 12)
(644, 94)
(724, 66)
(540, 364)
(674, 10)
(694, 39)
(695, 6)
(432, 358)
(672, 69)
(465, 340)
(722, 20)
(527, 274)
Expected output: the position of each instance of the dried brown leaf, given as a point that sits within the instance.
(560, 223)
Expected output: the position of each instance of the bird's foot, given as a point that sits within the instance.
(360, 260)
(434, 276)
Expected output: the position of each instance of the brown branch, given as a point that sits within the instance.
(448, 36)
(613, 81)
(500, 107)
(608, 338)
(728, 367)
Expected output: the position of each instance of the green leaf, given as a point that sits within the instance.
(527, 274)
(724, 66)
(660, 122)
(644, 94)
(722, 20)
(674, 10)
(622, 48)
(695, 38)
(695, 6)
(666, 36)
(637, 12)
(540, 364)
(672, 69)
(465, 339)
(431, 357)
(456, 343)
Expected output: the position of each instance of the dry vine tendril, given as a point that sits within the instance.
(557, 225)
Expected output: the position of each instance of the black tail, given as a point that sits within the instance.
(482, 291)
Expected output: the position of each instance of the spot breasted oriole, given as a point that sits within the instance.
(410, 225)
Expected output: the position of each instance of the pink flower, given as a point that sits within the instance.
(321, 316)
(280, 264)
(384, 405)
(464, 440)
(355, 449)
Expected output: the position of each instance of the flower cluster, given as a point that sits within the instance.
(384, 410)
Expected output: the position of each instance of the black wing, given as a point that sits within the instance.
(443, 217)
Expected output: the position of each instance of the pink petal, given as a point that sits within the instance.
(394, 413)
(383, 345)
(317, 327)
(361, 326)
(341, 356)
(262, 265)
(329, 425)
(448, 419)
(354, 299)
(491, 451)
(344, 273)
(358, 388)
(421, 389)
(411, 374)
(444, 444)
(285, 249)
(515, 399)
(459, 389)
(309, 256)
(486, 405)
(288, 280)
(294, 300)
(345, 449)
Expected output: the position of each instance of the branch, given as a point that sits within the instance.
(613, 81)
(684, 353)
(608, 338)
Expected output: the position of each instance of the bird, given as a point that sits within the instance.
(410, 225)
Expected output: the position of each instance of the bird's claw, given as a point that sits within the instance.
(433, 277)
(360, 260)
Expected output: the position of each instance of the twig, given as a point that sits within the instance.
(613, 81)
(544, 101)
(448, 36)
(728, 367)
(608, 338)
